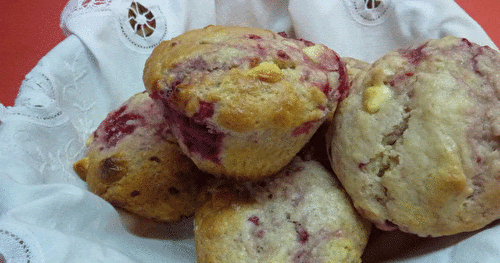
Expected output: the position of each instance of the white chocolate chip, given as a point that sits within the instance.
(89, 140)
(375, 96)
(314, 52)
(266, 71)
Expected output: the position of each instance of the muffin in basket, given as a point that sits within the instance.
(416, 144)
(133, 162)
(298, 215)
(243, 101)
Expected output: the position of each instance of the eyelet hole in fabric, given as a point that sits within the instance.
(370, 12)
(141, 27)
(141, 19)
(370, 4)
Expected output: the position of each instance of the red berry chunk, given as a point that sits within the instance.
(118, 125)
(254, 220)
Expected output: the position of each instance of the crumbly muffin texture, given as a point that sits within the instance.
(299, 215)
(243, 101)
(133, 162)
(355, 67)
(416, 143)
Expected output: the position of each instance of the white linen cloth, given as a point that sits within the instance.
(46, 212)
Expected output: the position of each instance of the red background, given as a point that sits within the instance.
(30, 29)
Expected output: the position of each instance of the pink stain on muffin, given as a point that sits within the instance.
(194, 131)
(326, 89)
(415, 55)
(197, 64)
(331, 62)
(283, 55)
(205, 111)
(477, 52)
(254, 220)
(308, 243)
(467, 42)
(344, 86)
(253, 36)
(306, 42)
(257, 230)
(304, 128)
(302, 234)
(118, 125)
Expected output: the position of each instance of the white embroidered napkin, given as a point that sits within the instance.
(366, 29)
(46, 212)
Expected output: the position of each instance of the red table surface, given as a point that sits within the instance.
(31, 29)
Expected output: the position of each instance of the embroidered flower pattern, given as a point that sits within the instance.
(18, 250)
(141, 19)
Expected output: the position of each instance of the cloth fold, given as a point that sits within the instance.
(46, 212)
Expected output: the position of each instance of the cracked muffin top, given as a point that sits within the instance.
(252, 77)
(242, 101)
(416, 143)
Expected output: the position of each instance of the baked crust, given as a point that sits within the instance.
(416, 142)
(299, 215)
(243, 101)
(133, 162)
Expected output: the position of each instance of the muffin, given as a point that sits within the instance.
(355, 67)
(299, 215)
(133, 162)
(243, 101)
(416, 143)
